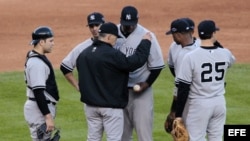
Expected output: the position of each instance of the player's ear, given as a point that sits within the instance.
(42, 42)
(109, 36)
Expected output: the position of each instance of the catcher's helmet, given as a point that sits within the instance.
(41, 32)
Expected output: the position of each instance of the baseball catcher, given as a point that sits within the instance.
(179, 131)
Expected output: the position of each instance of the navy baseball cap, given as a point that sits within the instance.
(207, 27)
(129, 16)
(95, 18)
(190, 22)
(109, 28)
(179, 25)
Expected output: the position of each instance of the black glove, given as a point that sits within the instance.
(55, 134)
(41, 131)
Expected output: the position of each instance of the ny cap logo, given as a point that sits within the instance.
(128, 17)
(174, 29)
(92, 17)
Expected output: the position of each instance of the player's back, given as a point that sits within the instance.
(206, 67)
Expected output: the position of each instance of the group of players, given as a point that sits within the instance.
(198, 65)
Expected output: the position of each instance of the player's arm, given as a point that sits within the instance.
(153, 76)
(72, 80)
(182, 95)
(43, 106)
(154, 72)
(217, 43)
(69, 75)
(151, 79)
(172, 70)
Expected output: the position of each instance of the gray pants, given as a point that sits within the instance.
(35, 118)
(205, 117)
(102, 119)
(138, 115)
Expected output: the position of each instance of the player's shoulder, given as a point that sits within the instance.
(226, 50)
(85, 43)
(193, 51)
(174, 47)
(144, 29)
(197, 41)
(35, 62)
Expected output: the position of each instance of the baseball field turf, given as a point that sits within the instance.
(70, 117)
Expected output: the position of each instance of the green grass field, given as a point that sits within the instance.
(71, 119)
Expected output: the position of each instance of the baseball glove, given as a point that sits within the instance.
(168, 125)
(179, 131)
(41, 131)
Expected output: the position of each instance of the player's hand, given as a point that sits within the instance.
(49, 122)
(168, 125)
(143, 87)
(147, 36)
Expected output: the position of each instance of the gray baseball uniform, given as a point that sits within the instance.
(36, 74)
(138, 113)
(175, 56)
(69, 62)
(204, 69)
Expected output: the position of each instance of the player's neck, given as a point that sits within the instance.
(39, 51)
(207, 43)
(187, 42)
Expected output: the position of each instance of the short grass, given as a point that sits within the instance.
(71, 119)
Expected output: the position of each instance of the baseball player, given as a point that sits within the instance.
(103, 78)
(94, 20)
(138, 114)
(42, 92)
(182, 33)
(176, 47)
(201, 86)
(176, 53)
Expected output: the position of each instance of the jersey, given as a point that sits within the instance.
(205, 69)
(179, 58)
(69, 62)
(39, 64)
(174, 49)
(128, 46)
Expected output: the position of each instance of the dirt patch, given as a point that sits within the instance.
(68, 20)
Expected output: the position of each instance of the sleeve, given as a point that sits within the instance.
(153, 76)
(41, 101)
(184, 79)
(69, 62)
(172, 53)
(155, 59)
(134, 61)
(182, 95)
(170, 59)
(232, 58)
(172, 71)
